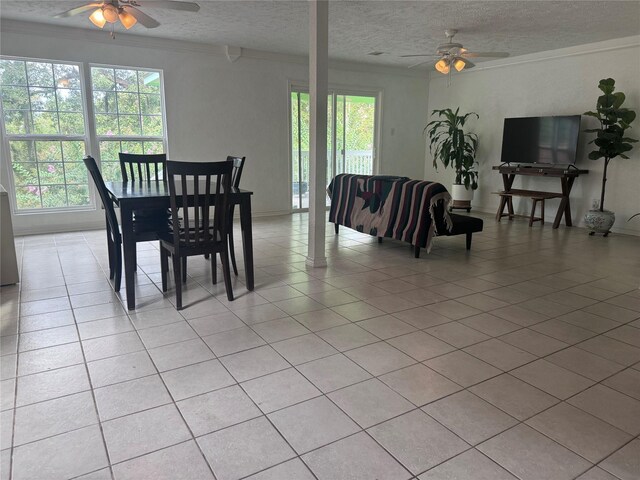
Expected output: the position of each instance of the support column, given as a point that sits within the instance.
(318, 80)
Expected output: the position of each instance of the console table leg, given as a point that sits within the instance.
(503, 202)
(510, 207)
(534, 203)
(566, 187)
(561, 211)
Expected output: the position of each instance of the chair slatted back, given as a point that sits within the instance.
(107, 202)
(145, 167)
(210, 184)
(238, 166)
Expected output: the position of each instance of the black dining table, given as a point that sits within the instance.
(132, 196)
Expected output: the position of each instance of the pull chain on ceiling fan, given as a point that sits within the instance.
(127, 12)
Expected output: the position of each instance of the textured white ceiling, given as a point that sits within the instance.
(359, 27)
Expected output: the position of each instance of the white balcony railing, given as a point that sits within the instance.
(359, 162)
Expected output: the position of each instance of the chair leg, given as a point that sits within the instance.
(226, 273)
(110, 250)
(379, 239)
(337, 227)
(177, 264)
(417, 251)
(164, 267)
(184, 269)
(117, 266)
(214, 270)
(469, 235)
(232, 252)
(542, 212)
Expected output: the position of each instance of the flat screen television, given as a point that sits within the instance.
(541, 140)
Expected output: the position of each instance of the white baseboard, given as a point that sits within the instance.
(578, 223)
(100, 225)
(61, 228)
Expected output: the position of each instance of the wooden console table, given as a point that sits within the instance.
(566, 175)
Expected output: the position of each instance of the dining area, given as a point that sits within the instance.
(187, 207)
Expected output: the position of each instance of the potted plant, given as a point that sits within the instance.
(611, 142)
(450, 145)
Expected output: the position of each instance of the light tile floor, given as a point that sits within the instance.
(519, 359)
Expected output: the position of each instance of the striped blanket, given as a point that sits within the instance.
(392, 207)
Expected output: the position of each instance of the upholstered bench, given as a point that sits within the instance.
(462, 224)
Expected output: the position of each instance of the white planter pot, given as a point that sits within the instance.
(599, 222)
(460, 193)
(461, 197)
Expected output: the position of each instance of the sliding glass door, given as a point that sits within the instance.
(355, 134)
(351, 139)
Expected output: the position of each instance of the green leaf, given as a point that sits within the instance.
(618, 99)
(595, 155)
(628, 116)
(607, 85)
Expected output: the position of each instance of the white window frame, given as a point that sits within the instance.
(90, 138)
(6, 150)
(123, 138)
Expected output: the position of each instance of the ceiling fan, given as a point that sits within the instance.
(454, 55)
(127, 11)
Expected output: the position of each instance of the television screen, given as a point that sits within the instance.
(549, 140)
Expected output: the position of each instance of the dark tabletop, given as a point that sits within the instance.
(150, 190)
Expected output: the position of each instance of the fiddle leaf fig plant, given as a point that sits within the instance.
(451, 146)
(615, 120)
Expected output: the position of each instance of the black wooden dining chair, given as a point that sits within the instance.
(203, 234)
(114, 239)
(144, 167)
(238, 166)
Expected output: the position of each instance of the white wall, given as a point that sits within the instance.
(559, 82)
(216, 108)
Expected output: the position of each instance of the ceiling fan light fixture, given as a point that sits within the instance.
(459, 64)
(110, 13)
(442, 66)
(127, 19)
(97, 18)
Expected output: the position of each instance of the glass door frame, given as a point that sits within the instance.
(333, 91)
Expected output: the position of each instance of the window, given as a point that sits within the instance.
(44, 123)
(127, 105)
(47, 130)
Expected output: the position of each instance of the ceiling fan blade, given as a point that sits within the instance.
(420, 63)
(420, 55)
(485, 54)
(144, 19)
(468, 63)
(77, 10)
(184, 6)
